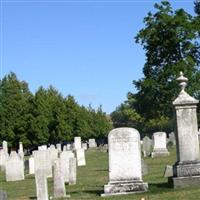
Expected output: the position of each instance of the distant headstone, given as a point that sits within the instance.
(3, 195)
(31, 165)
(58, 147)
(64, 160)
(65, 148)
(14, 167)
(42, 162)
(168, 171)
(92, 143)
(53, 154)
(144, 168)
(5, 146)
(41, 185)
(80, 156)
(58, 181)
(125, 170)
(42, 148)
(21, 150)
(159, 145)
(172, 138)
(147, 146)
(69, 147)
(72, 171)
(77, 143)
(84, 146)
(3, 158)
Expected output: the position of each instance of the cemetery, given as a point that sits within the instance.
(53, 147)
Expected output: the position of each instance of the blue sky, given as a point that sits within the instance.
(82, 48)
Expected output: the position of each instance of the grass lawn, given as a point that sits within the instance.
(92, 177)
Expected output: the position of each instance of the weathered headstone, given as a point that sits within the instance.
(168, 171)
(41, 185)
(84, 146)
(42, 161)
(31, 165)
(92, 143)
(64, 159)
(186, 171)
(14, 167)
(58, 181)
(125, 171)
(80, 156)
(147, 146)
(72, 171)
(159, 145)
(77, 143)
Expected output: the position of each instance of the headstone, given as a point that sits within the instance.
(31, 165)
(65, 148)
(172, 138)
(5, 146)
(80, 156)
(58, 147)
(64, 159)
(159, 145)
(42, 161)
(41, 185)
(3, 158)
(186, 171)
(3, 195)
(77, 143)
(53, 154)
(147, 146)
(168, 171)
(84, 146)
(92, 143)
(58, 181)
(125, 171)
(72, 171)
(14, 167)
(42, 148)
(69, 147)
(21, 151)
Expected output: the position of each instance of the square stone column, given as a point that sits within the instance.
(186, 171)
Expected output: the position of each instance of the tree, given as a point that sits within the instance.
(197, 7)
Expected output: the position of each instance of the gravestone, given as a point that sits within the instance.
(58, 147)
(65, 148)
(168, 171)
(77, 143)
(5, 146)
(172, 138)
(84, 146)
(159, 145)
(3, 195)
(186, 171)
(69, 147)
(41, 185)
(92, 143)
(58, 181)
(80, 157)
(72, 171)
(3, 158)
(42, 148)
(147, 146)
(31, 165)
(125, 171)
(14, 167)
(53, 154)
(21, 151)
(42, 161)
(64, 159)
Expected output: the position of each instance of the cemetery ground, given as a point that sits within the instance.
(92, 177)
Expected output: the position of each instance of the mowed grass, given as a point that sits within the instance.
(92, 178)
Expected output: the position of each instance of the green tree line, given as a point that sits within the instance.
(45, 117)
(171, 41)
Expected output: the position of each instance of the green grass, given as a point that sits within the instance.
(94, 176)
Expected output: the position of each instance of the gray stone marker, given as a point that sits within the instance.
(21, 150)
(77, 143)
(64, 159)
(58, 181)
(172, 138)
(92, 143)
(159, 145)
(80, 156)
(3, 195)
(125, 171)
(72, 171)
(168, 171)
(147, 146)
(31, 165)
(186, 171)
(41, 185)
(14, 167)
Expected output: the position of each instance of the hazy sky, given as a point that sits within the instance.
(82, 48)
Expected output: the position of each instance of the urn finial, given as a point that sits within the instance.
(183, 81)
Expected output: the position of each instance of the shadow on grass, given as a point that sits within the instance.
(97, 192)
(33, 198)
(159, 187)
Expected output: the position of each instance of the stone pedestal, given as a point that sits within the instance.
(186, 171)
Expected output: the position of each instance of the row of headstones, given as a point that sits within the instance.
(158, 145)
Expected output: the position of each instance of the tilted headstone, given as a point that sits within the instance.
(31, 165)
(147, 146)
(186, 171)
(14, 167)
(58, 181)
(72, 171)
(77, 143)
(125, 171)
(64, 159)
(92, 143)
(80, 156)
(42, 161)
(41, 185)
(159, 145)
